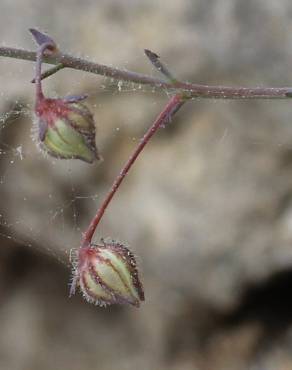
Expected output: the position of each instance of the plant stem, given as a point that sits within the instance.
(38, 71)
(50, 72)
(155, 60)
(164, 117)
(189, 89)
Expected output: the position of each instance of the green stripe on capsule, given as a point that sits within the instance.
(63, 141)
(94, 290)
(117, 277)
(81, 118)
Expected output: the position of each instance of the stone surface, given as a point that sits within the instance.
(207, 208)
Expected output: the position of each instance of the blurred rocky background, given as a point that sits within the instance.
(207, 208)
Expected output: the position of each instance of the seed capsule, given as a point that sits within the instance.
(107, 274)
(66, 129)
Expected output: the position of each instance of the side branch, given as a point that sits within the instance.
(188, 89)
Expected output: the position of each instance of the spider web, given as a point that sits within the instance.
(20, 230)
(56, 212)
(73, 210)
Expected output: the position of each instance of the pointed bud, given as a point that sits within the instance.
(107, 274)
(66, 129)
(41, 38)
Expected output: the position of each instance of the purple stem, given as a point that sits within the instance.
(193, 90)
(38, 69)
(164, 117)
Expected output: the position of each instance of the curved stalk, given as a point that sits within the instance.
(174, 104)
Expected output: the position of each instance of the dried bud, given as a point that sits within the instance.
(107, 274)
(66, 129)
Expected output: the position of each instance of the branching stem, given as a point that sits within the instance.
(192, 90)
(50, 72)
(38, 70)
(182, 91)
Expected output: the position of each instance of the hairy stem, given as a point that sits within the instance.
(50, 72)
(189, 89)
(164, 117)
(38, 71)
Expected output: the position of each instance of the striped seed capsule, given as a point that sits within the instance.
(66, 129)
(107, 274)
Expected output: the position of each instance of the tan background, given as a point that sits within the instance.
(207, 208)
